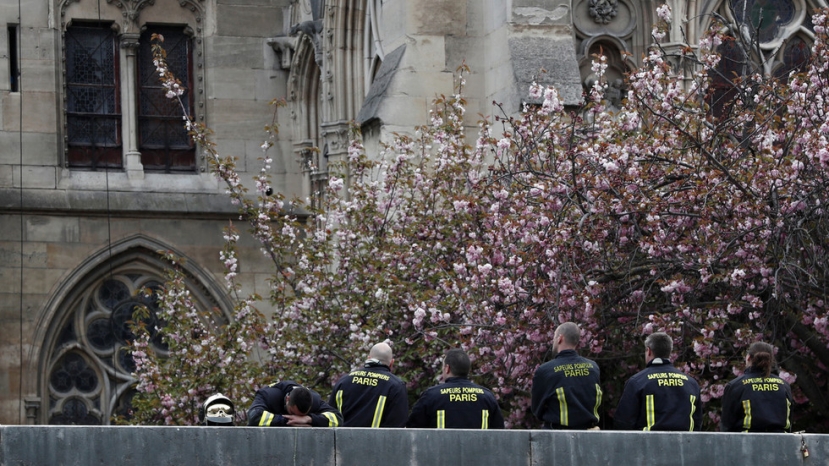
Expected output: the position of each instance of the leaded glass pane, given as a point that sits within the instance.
(90, 55)
(113, 292)
(763, 18)
(121, 318)
(75, 412)
(93, 120)
(125, 360)
(163, 140)
(99, 333)
(795, 57)
(73, 372)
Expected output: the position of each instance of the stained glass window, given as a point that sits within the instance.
(163, 140)
(93, 107)
(763, 18)
(795, 57)
(91, 379)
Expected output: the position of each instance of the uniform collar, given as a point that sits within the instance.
(375, 364)
(565, 353)
(659, 362)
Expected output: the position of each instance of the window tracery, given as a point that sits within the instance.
(89, 379)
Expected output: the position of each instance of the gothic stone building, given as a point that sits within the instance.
(97, 173)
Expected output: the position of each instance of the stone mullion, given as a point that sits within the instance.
(129, 113)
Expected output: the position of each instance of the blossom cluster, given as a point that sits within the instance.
(664, 216)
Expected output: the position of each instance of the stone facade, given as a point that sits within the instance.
(73, 236)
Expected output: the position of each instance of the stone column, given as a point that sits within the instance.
(129, 112)
(32, 407)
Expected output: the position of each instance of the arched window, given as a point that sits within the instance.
(89, 377)
(85, 366)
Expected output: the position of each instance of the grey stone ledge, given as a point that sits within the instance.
(131, 445)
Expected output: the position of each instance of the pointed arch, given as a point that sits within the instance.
(304, 90)
(78, 370)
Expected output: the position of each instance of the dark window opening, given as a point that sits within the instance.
(14, 63)
(724, 78)
(162, 137)
(796, 56)
(93, 102)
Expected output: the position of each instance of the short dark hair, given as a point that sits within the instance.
(301, 398)
(571, 333)
(458, 362)
(661, 344)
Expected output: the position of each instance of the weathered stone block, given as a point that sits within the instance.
(239, 119)
(557, 57)
(40, 281)
(540, 12)
(10, 228)
(39, 112)
(36, 177)
(37, 75)
(69, 256)
(40, 149)
(232, 83)
(52, 229)
(236, 52)
(437, 17)
(248, 21)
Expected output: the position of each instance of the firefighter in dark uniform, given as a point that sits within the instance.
(759, 400)
(566, 392)
(290, 404)
(660, 397)
(372, 396)
(457, 403)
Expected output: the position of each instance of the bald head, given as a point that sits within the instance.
(381, 352)
(567, 336)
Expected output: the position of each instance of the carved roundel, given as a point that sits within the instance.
(604, 17)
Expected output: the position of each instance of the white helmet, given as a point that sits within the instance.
(217, 410)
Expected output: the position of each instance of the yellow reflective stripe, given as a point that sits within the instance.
(339, 400)
(378, 411)
(650, 413)
(564, 418)
(788, 412)
(693, 409)
(332, 419)
(266, 419)
(598, 401)
(484, 419)
(441, 419)
(747, 418)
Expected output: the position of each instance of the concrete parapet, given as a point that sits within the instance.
(127, 445)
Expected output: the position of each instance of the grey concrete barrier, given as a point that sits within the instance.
(128, 445)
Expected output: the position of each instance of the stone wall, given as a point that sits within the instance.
(366, 447)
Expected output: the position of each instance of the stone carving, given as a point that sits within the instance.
(603, 11)
(312, 29)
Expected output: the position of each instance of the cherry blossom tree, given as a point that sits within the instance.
(688, 210)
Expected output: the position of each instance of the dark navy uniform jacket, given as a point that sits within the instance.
(566, 392)
(753, 403)
(457, 404)
(371, 397)
(660, 397)
(269, 407)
